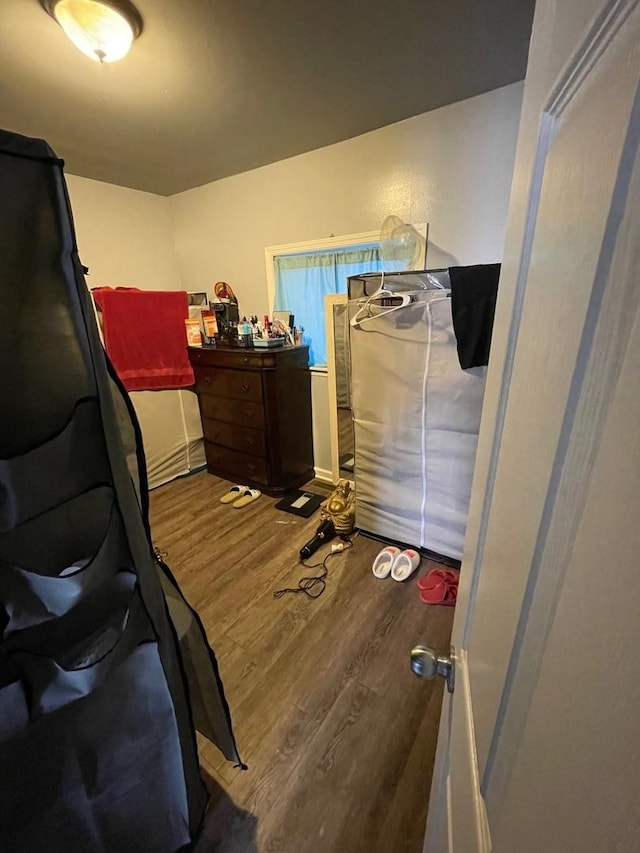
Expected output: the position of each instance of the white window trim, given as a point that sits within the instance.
(310, 246)
(316, 246)
(355, 240)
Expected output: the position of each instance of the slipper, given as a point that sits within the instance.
(384, 561)
(443, 593)
(436, 576)
(443, 588)
(405, 565)
(232, 495)
(247, 497)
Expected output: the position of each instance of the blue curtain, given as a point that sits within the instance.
(302, 282)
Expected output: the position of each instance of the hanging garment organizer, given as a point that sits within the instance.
(416, 413)
(103, 665)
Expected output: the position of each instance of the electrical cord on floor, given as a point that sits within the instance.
(315, 585)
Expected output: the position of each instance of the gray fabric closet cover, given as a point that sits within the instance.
(97, 683)
(416, 418)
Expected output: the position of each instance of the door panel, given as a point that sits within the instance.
(564, 315)
(572, 232)
(577, 763)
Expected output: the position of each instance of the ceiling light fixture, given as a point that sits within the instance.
(103, 30)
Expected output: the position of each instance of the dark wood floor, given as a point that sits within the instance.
(338, 734)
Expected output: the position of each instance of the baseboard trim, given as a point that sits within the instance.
(324, 474)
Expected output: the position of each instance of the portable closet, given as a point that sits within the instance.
(416, 412)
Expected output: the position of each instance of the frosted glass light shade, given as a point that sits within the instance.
(102, 31)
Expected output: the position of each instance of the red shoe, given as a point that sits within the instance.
(440, 586)
(436, 576)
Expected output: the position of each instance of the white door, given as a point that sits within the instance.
(539, 748)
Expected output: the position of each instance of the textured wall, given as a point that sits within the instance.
(451, 166)
(124, 236)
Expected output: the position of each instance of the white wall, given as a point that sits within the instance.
(125, 236)
(451, 167)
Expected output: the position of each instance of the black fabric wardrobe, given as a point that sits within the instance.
(103, 666)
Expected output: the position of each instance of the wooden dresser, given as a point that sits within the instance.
(256, 415)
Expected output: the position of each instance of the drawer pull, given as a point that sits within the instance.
(245, 360)
(207, 379)
(251, 442)
(248, 416)
(251, 468)
(245, 387)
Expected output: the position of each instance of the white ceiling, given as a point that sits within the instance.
(216, 87)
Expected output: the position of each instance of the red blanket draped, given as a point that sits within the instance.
(145, 337)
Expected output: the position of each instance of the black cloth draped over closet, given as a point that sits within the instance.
(104, 668)
(474, 291)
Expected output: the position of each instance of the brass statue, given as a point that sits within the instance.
(340, 508)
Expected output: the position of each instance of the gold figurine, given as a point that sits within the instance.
(340, 508)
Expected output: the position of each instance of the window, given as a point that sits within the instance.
(303, 279)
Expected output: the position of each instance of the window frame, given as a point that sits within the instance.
(354, 241)
(343, 241)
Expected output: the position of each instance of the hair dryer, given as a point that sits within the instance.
(325, 532)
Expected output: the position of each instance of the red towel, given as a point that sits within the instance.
(145, 338)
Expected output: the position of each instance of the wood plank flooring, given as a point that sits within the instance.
(338, 734)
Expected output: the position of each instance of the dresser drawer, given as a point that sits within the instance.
(239, 466)
(232, 411)
(249, 440)
(243, 359)
(238, 384)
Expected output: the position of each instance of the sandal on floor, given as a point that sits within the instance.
(384, 561)
(444, 590)
(247, 497)
(405, 565)
(436, 576)
(232, 495)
